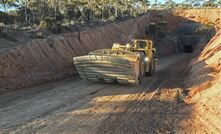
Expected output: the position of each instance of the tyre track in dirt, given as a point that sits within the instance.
(82, 107)
(150, 112)
(43, 103)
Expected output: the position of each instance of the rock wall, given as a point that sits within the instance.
(204, 83)
(202, 16)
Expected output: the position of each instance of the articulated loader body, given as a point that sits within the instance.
(125, 64)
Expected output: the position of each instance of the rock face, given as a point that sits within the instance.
(204, 84)
(51, 58)
(203, 16)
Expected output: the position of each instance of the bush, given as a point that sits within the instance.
(112, 18)
(45, 24)
(51, 25)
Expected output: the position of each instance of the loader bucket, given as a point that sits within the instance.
(109, 67)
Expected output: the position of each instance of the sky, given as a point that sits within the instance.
(163, 1)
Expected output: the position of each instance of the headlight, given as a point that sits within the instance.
(146, 59)
(128, 46)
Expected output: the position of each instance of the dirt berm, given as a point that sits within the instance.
(43, 60)
(204, 83)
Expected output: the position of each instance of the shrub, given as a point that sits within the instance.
(51, 25)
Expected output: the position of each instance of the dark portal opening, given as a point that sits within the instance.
(188, 48)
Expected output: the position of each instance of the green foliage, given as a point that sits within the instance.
(32, 12)
(210, 3)
(51, 25)
(193, 3)
(170, 4)
(45, 24)
(72, 12)
(188, 4)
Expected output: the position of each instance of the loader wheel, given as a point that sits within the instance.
(142, 70)
(151, 67)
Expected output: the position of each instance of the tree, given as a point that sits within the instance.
(193, 3)
(73, 12)
(210, 3)
(219, 3)
(34, 11)
(170, 4)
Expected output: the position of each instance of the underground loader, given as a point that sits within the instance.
(125, 64)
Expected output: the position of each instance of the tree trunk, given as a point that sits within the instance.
(42, 16)
(26, 14)
(108, 13)
(116, 12)
(122, 13)
(26, 18)
(33, 18)
(102, 14)
(91, 15)
(55, 13)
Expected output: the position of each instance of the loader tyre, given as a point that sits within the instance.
(142, 68)
(152, 66)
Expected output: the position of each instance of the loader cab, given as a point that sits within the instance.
(142, 44)
(145, 46)
(139, 44)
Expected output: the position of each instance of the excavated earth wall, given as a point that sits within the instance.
(203, 16)
(204, 83)
(43, 60)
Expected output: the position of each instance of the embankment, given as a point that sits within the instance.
(204, 85)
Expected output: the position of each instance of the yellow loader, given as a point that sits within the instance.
(125, 64)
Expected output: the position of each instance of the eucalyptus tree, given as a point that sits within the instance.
(77, 10)
(193, 3)
(210, 3)
(170, 4)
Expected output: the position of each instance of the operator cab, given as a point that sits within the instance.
(143, 44)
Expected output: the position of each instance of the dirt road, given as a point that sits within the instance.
(77, 106)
